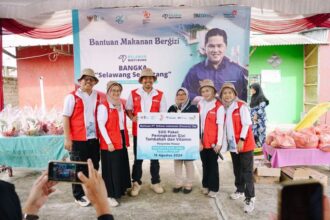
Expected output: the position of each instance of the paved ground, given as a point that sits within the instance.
(149, 205)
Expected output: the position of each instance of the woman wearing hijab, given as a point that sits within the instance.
(111, 118)
(183, 105)
(258, 113)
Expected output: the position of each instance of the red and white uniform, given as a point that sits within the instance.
(141, 101)
(111, 122)
(81, 107)
(208, 113)
(237, 124)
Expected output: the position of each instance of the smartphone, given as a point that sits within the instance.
(301, 200)
(66, 171)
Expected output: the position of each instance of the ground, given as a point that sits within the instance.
(149, 205)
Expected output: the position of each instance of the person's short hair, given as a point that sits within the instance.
(216, 32)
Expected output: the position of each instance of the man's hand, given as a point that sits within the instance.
(111, 148)
(240, 145)
(39, 193)
(95, 190)
(134, 118)
(68, 144)
(201, 146)
(217, 148)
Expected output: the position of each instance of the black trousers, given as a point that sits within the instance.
(115, 170)
(210, 169)
(243, 171)
(137, 167)
(81, 151)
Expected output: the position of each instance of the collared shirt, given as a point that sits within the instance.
(226, 72)
(102, 118)
(205, 107)
(89, 102)
(146, 100)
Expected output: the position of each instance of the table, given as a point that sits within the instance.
(31, 151)
(296, 156)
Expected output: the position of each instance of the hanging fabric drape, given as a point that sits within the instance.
(1, 78)
(273, 26)
(15, 27)
(290, 26)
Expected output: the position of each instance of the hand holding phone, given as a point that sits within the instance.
(301, 200)
(66, 171)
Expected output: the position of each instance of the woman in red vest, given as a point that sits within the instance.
(208, 107)
(235, 131)
(111, 118)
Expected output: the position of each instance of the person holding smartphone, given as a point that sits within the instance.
(114, 140)
(235, 131)
(79, 123)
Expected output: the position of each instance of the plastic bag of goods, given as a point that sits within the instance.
(306, 138)
(280, 139)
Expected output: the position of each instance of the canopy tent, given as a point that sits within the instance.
(23, 8)
(52, 19)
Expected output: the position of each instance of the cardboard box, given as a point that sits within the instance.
(320, 177)
(266, 179)
(264, 173)
(294, 173)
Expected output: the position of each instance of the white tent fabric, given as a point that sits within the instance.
(22, 9)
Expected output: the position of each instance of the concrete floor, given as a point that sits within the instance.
(149, 205)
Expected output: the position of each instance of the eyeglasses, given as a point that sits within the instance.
(89, 79)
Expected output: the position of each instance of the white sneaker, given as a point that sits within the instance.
(83, 201)
(157, 188)
(113, 202)
(205, 191)
(212, 194)
(236, 195)
(135, 189)
(249, 204)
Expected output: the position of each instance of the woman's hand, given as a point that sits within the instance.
(111, 148)
(95, 190)
(240, 145)
(39, 193)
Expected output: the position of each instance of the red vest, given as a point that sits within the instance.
(210, 133)
(77, 120)
(155, 106)
(113, 129)
(249, 143)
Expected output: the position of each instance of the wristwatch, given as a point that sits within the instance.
(242, 139)
(30, 217)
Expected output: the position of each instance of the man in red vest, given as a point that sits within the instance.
(145, 99)
(79, 121)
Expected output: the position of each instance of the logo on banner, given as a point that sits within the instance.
(94, 18)
(171, 16)
(146, 17)
(120, 19)
(202, 15)
(132, 58)
(232, 14)
(122, 57)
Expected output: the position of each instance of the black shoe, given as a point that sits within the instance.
(186, 191)
(176, 190)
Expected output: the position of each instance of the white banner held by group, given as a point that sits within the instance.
(168, 136)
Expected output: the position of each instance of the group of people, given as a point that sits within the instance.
(95, 128)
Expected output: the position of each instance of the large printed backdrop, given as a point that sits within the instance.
(118, 43)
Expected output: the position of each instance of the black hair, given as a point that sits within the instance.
(257, 97)
(216, 32)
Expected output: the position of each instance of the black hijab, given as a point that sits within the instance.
(258, 97)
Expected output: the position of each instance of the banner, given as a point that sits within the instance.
(168, 136)
(118, 43)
